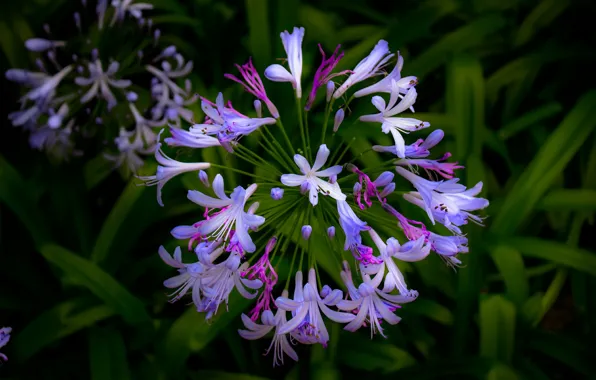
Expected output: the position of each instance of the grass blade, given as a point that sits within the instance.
(104, 286)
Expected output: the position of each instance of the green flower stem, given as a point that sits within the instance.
(301, 123)
(345, 150)
(283, 130)
(328, 109)
(283, 152)
(243, 172)
(249, 152)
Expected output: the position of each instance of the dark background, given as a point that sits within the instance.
(510, 82)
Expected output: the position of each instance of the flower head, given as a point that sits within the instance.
(239, 251)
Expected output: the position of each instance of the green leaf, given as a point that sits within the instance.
(541, 16)
(15, 194)
(190, 332)
(497, 328)
(107, 353)
(361, 353)
(96, 170)
(465, 103)
(569, 199)
(430, 309)
(564, 349)
(460, 40)
(115, 221)
(54, 324)
(259, 35)
(502, 372)
(104, 286)
(511, 266)
(560, 253)
(550, 161)
(529, 119)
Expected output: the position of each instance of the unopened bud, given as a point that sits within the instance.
(330, 89)
(331, 232)
(258, 108)
(277, 193)
(339, 117)
(204, 178)
(306, 231)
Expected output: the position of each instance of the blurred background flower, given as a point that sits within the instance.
(507, 82)
(108, 78)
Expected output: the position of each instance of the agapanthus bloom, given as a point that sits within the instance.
(79, 91)
(300, 192)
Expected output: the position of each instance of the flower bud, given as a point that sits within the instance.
(204, 178)
(330, 89)
(387, 190)
(306, 231)
(339, 117)
(277, 193)
(258, 108)
(132, 96)
(331, 232)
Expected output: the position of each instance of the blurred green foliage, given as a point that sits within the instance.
(80, 280)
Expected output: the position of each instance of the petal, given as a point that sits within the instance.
(287, 304)
(322, 155)
(255, 334)
(385, 312)
(293, 323)
(165, 256)
(252, 220)
(183, 232)
(207, 201)
(400, 144)
(292, 179)
(336, 316)
(407, 102)
(334, 170)
(218, 187)
(332, 190)
(196, 293)
(302, 163)
(278, 73)
(177, 281)
(313, 195)
(379, 103)
(360, 318)
(243, 236)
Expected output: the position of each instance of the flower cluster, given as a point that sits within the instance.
(295, 201)
(4, 338)
(84, 87)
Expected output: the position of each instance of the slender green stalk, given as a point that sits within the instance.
(243, 172)
(301, 123)
(283, 130)
(328, 109)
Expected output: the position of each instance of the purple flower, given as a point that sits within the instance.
(307, 324)
(254, 85)
(445, 201)
(293, 46)
(311, 177)
(323, 74)
(232, 213)
(280, 343)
